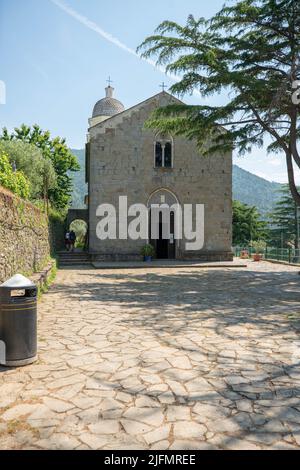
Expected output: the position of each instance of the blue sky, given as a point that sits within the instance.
(55, 61)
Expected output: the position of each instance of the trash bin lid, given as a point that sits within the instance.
(17, 282)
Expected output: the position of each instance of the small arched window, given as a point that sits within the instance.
(163, 149)
(158, 155)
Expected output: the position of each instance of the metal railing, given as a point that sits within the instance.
(288, 255)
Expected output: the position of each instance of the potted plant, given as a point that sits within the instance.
(244, 254)
(148, 252)
(259, 247)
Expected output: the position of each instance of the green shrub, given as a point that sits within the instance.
(259, 246)
(15, 181)
(29, 159)
(148, 250)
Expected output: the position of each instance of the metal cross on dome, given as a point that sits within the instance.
(109, 81)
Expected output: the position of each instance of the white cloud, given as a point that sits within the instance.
(112, 39)
(2, 92)
(39, 70)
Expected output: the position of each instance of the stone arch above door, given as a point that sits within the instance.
(162, 196)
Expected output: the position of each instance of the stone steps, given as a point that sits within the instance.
(73, 256)
(68, 259)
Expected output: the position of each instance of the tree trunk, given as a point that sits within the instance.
(291, 178)
(296, 229)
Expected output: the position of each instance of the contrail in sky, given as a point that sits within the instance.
(109, 37)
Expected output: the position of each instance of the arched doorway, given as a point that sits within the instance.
(80, 228)
(163, 217)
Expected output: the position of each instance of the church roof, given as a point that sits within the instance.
(108, 106)
(136, 106)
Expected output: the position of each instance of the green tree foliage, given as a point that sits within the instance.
(57, 152)
(15, 181)
(37, 169)
(283, 221)
(80, 188)
(247, 225)
(249, 50)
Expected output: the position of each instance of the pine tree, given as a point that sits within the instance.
(283, 221)
(249, 51)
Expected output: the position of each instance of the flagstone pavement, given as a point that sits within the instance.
(161, 359)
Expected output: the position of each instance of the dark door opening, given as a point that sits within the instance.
(165, 248)
(162, 245)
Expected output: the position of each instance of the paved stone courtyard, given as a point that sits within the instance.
(161, 359)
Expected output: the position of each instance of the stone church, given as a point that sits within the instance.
(123, 158)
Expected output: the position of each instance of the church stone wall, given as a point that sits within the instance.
(122, 163)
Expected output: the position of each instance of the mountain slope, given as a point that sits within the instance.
(253, 190)
(247, 188)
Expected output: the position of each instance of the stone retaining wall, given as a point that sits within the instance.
(24, 236)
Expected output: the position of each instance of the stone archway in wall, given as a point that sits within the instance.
(80, 228)
(74, 214)
(165, 245)
(77, 220)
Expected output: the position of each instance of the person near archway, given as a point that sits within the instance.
(67, 240)
(72, 240)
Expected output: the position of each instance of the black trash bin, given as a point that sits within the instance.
(18, 322)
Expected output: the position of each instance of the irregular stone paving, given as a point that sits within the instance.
(161, 359)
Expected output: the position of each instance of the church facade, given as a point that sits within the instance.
(123, 158)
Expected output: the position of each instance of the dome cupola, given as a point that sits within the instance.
(108, 106)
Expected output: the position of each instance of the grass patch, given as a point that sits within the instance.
(16, 425)
(50, 279)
